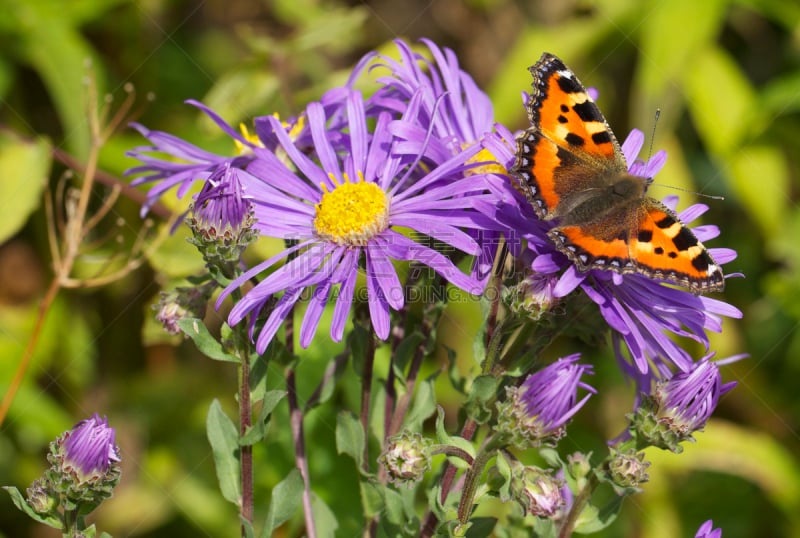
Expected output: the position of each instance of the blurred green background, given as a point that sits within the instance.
(725, 74)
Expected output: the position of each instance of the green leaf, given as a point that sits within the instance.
(350, 437)
(285, 499)
(20, 502)
(444, 438)
(258, 431)
(480, 527)
(324, 518)
(664, 59)
(765, 200)
(723, 118)
(482, 394)
(208, 345)
(24, 167)
(58, 53)
(408, 346)
(373, 498)
(224, 439)
(423, 404)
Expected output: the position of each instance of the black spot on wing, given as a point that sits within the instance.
(562, 119)
(569, 84)
(666, 222)
(574, 140)
(702, 262)
(658, 250)
(588, 111)
(645, 236)
(603, 137)
(564, 108)
(684, 240)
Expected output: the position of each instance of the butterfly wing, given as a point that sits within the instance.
(649, 240)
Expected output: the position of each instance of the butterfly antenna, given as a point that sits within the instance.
(650, 152)
(653, 135)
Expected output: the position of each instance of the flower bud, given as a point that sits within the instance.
(537, 492)
(537, 411)
(222, 219)
(678, 407)
(627, 469)
(84, 463)
(406, 458)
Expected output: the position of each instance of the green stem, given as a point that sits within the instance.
(71, 523)
(245, 422)
(471, 478)
(578, 505)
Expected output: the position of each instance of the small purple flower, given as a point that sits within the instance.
(89, 448)
(687, 400)
(640, 310)
(341, 206)
(707, 530)
(540, 407)
(221, 208)
(676, 407)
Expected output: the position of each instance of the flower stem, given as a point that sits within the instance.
(366, 394)
(568, 524)
(245, 421)
(486, 452)
(296, 422)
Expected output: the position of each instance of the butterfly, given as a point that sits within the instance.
(572, 170)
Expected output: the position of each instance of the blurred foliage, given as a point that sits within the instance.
(725, 74)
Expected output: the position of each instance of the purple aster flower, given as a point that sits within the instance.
(640, 310)
(707, 530)
(342, 208)
(171, 162)
(677, 407)
(89, 448)
(540, 407)
(452, 108)
(450, 113)
(687, 399)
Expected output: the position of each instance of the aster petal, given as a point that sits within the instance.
(568, 282)
(279, 313)
(316, 305)
(385, 275)
(245, 305)
(723, 255)
(378, 307)
(632, 145)
(349, 268)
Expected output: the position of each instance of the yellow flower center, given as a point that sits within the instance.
(491, 165)
(250, 137)
(352, 213)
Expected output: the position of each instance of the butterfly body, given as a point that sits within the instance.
(572, 170)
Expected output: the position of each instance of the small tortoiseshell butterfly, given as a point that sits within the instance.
(571, 168)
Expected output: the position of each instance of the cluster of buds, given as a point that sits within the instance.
(84, 469)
